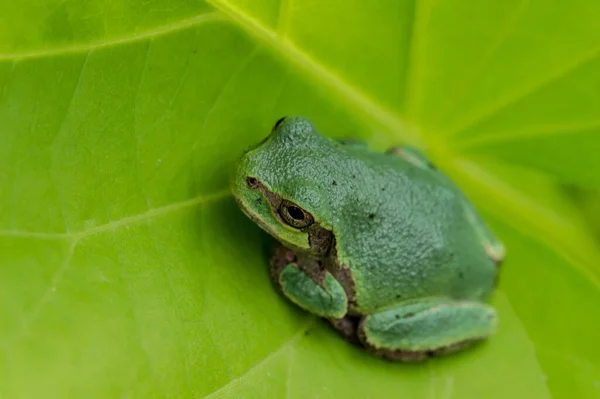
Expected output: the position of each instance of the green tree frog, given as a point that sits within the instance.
(381, 244)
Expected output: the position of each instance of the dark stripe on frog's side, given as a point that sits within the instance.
(343, 275)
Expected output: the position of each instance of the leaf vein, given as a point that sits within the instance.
(152, 213)
(194, 21)
(285, 9)
(136, 131)
(526, 133)
(528, 90)
(53, 172)
(528, 213)
(395, 127)
(239, 69)
(282, 349)
(116, 224)
(46, 296)
(470, 77)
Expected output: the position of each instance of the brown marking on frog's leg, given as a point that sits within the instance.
(410, 356)
(343, 275)
(418, 356)
(320, 240)
(280, 258)
(457, 347)
(311, 261)
(347, 328)
(315, 267)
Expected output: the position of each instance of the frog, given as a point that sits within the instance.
(381, 244)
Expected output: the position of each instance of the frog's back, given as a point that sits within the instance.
(408, 235)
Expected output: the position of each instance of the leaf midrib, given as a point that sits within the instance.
(346, 92)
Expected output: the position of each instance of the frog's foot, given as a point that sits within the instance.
(432, 327)
(412, 155)
(491, 244)
(495, 251)
(321, 295)
(348, 326)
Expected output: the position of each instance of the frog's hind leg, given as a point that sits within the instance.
(494, 248)
(426, 328)
(412, 155)
(492, 245)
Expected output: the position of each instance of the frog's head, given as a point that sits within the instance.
(277, 184)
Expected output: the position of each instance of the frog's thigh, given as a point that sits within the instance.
(412, 155)
(326, 300)
(427, 327)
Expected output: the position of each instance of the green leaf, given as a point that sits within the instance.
(588, 201)
(126, 268)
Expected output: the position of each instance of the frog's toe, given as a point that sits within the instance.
(495, 251)
(412, 155)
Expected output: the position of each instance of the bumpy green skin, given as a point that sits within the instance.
(420, 260)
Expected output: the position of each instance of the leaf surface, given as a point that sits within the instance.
(126, 268)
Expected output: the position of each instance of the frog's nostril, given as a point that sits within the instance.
(252, 182)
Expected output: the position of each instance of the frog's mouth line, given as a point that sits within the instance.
(252, 215)
(247, 210)
(319, 240)
(315, 237)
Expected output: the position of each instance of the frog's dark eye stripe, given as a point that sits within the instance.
(279, 121)
(295, 216)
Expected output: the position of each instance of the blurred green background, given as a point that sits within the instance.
(127, 271)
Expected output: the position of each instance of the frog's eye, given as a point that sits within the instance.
(279, 121)
(295, 216)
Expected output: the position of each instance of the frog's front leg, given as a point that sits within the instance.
(424, 328)
(320, 294)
